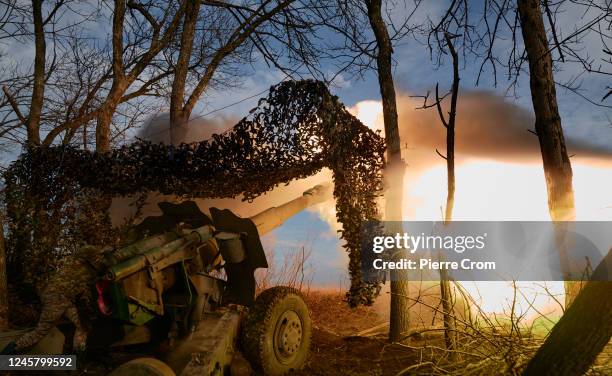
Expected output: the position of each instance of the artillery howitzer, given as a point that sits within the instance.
(168, 285)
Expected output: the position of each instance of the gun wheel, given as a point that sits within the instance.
(143, 367)
(277, 331)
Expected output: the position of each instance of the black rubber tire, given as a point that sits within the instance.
(259, 328)
(143, 367)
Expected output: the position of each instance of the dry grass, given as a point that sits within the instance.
(331, 314)
(487, 345)
(293, 270)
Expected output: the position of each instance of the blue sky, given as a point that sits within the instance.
(326, 264)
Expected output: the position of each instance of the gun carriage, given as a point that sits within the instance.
(189, 280)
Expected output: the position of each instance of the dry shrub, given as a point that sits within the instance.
(292, 270)
(487, 344)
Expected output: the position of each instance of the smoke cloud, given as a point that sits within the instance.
(487, 127)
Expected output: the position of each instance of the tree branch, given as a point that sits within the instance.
(14, 105)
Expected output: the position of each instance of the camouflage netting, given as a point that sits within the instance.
(53, 194)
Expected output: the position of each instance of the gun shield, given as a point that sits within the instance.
(231, 247)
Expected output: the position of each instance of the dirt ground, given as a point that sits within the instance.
(336, 347)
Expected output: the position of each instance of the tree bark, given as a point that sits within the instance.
(557, 166)
(38, 90)
(109, 106)
(399, 321)
(122, 80)
(178, 115)
(582, 332)
(445, 289)
(103, 124)
(450, 134)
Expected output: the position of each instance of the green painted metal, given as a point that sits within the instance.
(164, 253)
(120, 303)
(141, 313)
(156, 254)
(186, 282)
(142, 246)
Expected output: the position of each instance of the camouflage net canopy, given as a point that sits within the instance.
(53, 193)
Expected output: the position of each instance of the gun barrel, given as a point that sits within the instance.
(142, 246)
(273, 217)
(158, 252)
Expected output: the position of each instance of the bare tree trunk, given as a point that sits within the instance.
(247, 28)
(557, 166)
(123, 77)
(105, 116)
(103, 124)
(447, 307)
(582, 332)
(38, 90)
(177, 97)
(445, 289)
(4, 303)
(399, 312)
(450, 134)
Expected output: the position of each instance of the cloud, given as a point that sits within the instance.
(487, 127)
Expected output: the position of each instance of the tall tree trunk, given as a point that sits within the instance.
(582, 332)
(399, 320)
(557, 166)
(450, 133)
(178, 115)
(103, 125)
(38, 90)
(447, 314)
(105, 116)
(445, 288)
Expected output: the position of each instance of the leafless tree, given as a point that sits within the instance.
(535, 40)
(86, 78)
(491, 35)
(356, 52)
(449, 124)
(544, 49)
(16, 26)
(151, 27)
(557, 167)
(217, 37)
(399, 320)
